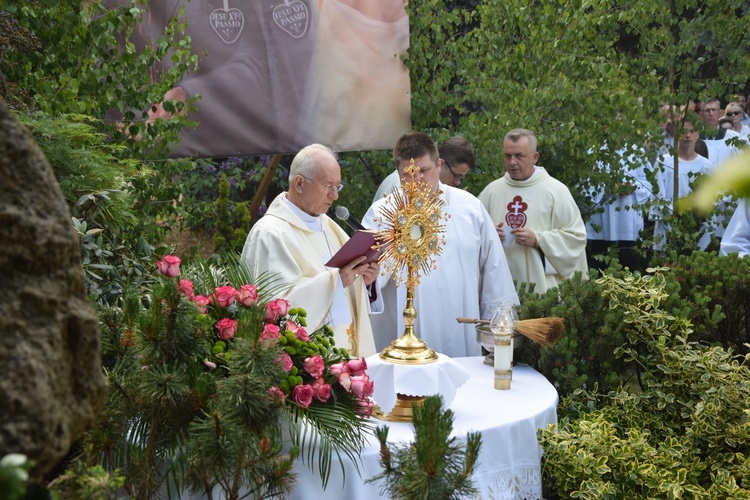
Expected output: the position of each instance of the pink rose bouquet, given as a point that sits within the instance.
(309, 377)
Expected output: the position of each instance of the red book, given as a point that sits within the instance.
(359, 244)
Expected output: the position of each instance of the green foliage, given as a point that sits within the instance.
(582, 358)
(577, 73)
(84, 483)
(685, 434)
(192, 409)
(714, 295)
(200, 189)
(435, 465)
(83, 64)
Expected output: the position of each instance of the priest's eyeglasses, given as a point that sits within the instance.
(333, 188)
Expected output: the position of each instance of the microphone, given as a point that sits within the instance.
(342, 213)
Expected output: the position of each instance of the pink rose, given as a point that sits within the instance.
(322, 390)
(270, 332)
(276, 309)
(339, 368)
(169, 266)
(285, 361)
(276, 395)
(201, 302)
(291, 326)
(314, 365)
(303, 395)
(364, 407)
(302, 335)
(226, 328)
(345, 380)
(185, 287)
(225, 295)
(247, 295)
(357, 366)
(362, 386)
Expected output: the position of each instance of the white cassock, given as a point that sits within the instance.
(621, 218)
(294, 246)
(472, 277)
(689, 171)
(737, 236)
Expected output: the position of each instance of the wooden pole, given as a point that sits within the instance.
(264, 185)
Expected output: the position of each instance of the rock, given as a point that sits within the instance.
(52, 387)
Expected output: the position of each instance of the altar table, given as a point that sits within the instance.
(509, 461)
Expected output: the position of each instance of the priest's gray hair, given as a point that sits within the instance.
(304, 163)
(516, 134)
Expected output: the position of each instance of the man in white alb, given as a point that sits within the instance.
(537, 219)
(471, 277)
(295, 238)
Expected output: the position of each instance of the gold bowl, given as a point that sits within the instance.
(486, 339)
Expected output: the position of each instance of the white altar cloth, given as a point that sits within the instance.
(443, 377)
(509, 461)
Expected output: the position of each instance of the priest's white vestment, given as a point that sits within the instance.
(282, 243)
(544, 205)
(620, 216)
(737, 236)
(472, 277)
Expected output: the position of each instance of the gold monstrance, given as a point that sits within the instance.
(412, 237)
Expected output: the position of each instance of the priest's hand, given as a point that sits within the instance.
(352, 270)
(501, 231)
(525, 236)
(371, 273)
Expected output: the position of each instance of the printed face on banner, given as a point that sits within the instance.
(279, 75)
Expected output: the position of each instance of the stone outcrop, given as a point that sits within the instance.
(51, 383)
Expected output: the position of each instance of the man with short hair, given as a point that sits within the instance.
(457, 157)
(691, 165)
(295, 238)
(471, 277)
(742, 100)
(536, 217)
(715, 137)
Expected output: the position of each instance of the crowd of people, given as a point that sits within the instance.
(698, 138)
(523, 230)
(524, 227)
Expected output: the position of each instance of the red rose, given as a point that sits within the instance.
(225, 295)
(247, 295)
(169, 266)
(303, 395)
(276, 309)
(314, 365)
(226, 328)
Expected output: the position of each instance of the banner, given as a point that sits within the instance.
(282, 74)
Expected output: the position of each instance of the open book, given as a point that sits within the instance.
(359, 244)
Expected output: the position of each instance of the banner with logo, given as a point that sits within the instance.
(282, 74)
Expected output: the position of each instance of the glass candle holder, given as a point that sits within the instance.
(502, 326)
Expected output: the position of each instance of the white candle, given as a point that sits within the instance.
(503, 358)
